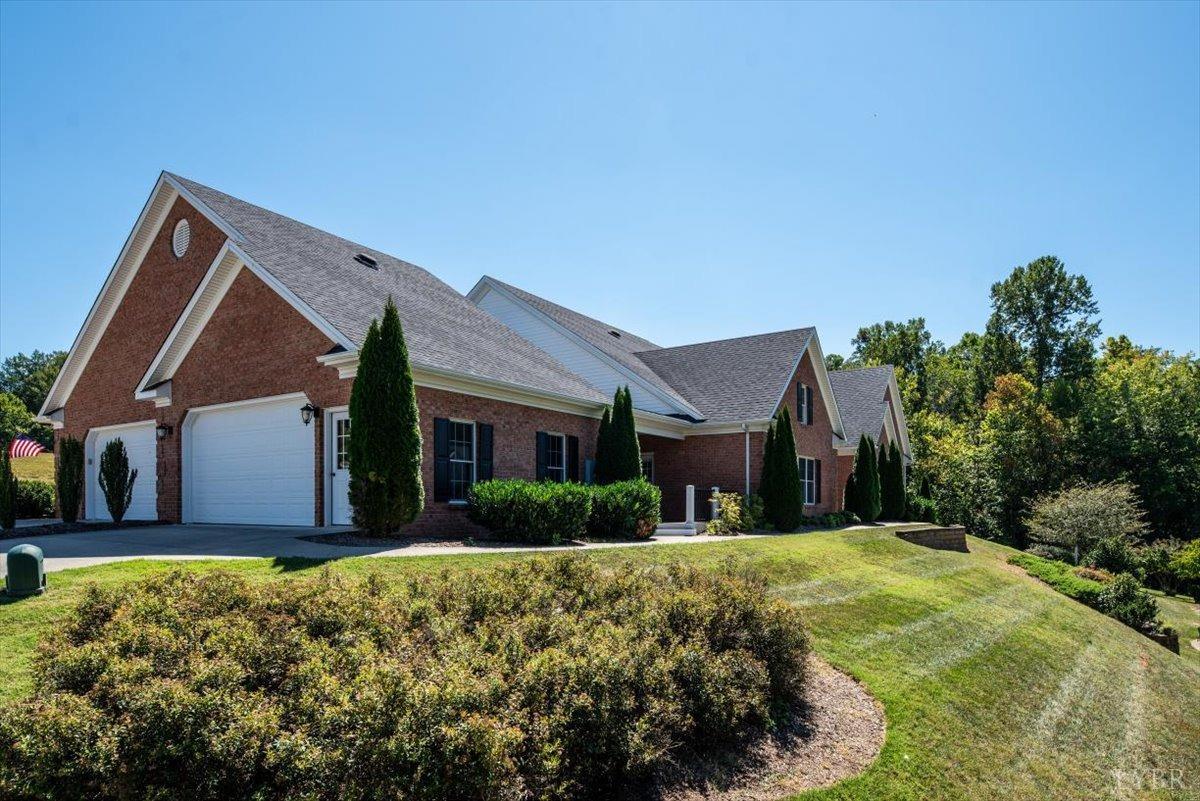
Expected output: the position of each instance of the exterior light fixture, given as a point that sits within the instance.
(162, 431)
(306, 413)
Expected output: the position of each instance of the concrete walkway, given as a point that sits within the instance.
(82, 549)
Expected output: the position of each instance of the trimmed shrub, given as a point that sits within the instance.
(1124, 599)
(1095, 574)
(893, 494)
(729, 520)
(539, 512)
(386, 490)
(1112, 554)
(35, 499)
(1060, 576)
(1186, 567)
(922, 510)
(626, 510)
(68, 478)
(548, 678)
(832, 520)
(116, 479)
(8, 491)
(850, 499)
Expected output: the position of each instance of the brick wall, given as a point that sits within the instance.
(257, 345)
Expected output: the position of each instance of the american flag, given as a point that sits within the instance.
(22, 445)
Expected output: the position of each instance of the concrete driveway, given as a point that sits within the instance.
(81, 549)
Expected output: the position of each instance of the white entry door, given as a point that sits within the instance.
(142, 450)
(249, 463)
(339, 469)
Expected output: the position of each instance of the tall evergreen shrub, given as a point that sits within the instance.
(767, 482)
(850, 500)
(626, 454)
(8, 491)
(601, 469)
(786, 510)
(866, 481)
(116, 479)
(385, 431)
(892, 491)
(68, 478)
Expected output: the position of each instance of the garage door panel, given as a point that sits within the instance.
(142, 450)
(251, 464)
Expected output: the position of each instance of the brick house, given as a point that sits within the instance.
(223, 345)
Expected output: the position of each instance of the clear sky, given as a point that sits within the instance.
(689, 172)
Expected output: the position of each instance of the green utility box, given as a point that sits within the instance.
(26, 574)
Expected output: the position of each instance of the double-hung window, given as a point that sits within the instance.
(556, 457)
(809, 479)
(462, 459)
(804, 404)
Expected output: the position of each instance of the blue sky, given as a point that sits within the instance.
(689, 172)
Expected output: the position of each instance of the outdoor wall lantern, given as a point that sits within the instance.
(162, 431)
(306, 413)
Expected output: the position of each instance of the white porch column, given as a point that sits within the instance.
(690, 512)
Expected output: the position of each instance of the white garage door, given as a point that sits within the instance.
(249, 464)
(143, 456)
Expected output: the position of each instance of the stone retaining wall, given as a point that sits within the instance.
(948, 538)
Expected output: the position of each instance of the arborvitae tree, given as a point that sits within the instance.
(850, 500)
(8, 491)
(385, 431)
(626, 453)
(765, 484)
(924, 491)
(601, 470)
(116, 479)
(891, 483)
(68, 478)
(786, 511)
(866, 480)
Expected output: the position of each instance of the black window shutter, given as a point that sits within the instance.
(808, 406)
(483, 453)
(572, 458)
(543, 444)
(817, 465)
(800, 413)
(441, 459)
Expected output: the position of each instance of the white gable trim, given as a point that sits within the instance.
(486, 284)
(166, 190)
(897, 406)
(817, 356)
(229, 262)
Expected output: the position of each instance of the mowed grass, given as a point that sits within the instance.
(995, 686)
(1184, 616)
(40, 467)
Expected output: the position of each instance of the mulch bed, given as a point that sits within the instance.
(72, 528)
(837, 735)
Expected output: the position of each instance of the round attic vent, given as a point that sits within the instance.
(181, 238)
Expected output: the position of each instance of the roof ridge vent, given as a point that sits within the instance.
(364, 259)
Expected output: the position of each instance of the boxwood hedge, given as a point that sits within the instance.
(547, 678)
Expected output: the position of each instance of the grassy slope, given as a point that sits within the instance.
(995, 686)
(39, 467)
(1184, 616)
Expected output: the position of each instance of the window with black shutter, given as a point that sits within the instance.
(572, 458)
(441, 459)
(804, 400)
(483, 453)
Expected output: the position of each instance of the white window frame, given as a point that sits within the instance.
(473, 461)
(562, 438)
(808, 483)
(802, 406)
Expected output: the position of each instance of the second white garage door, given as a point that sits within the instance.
(249, 463)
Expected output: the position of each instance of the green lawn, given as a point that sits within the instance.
(40, 467)
(995, 685)
(1184, 616)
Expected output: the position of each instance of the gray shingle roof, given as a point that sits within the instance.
(732, 380)
(625, 349)
(859, 395)
(443, 329)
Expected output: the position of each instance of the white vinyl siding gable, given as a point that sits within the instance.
(576, 357)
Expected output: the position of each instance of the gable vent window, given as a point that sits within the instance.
(367, 261)
(181, 238)
(616, 334)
